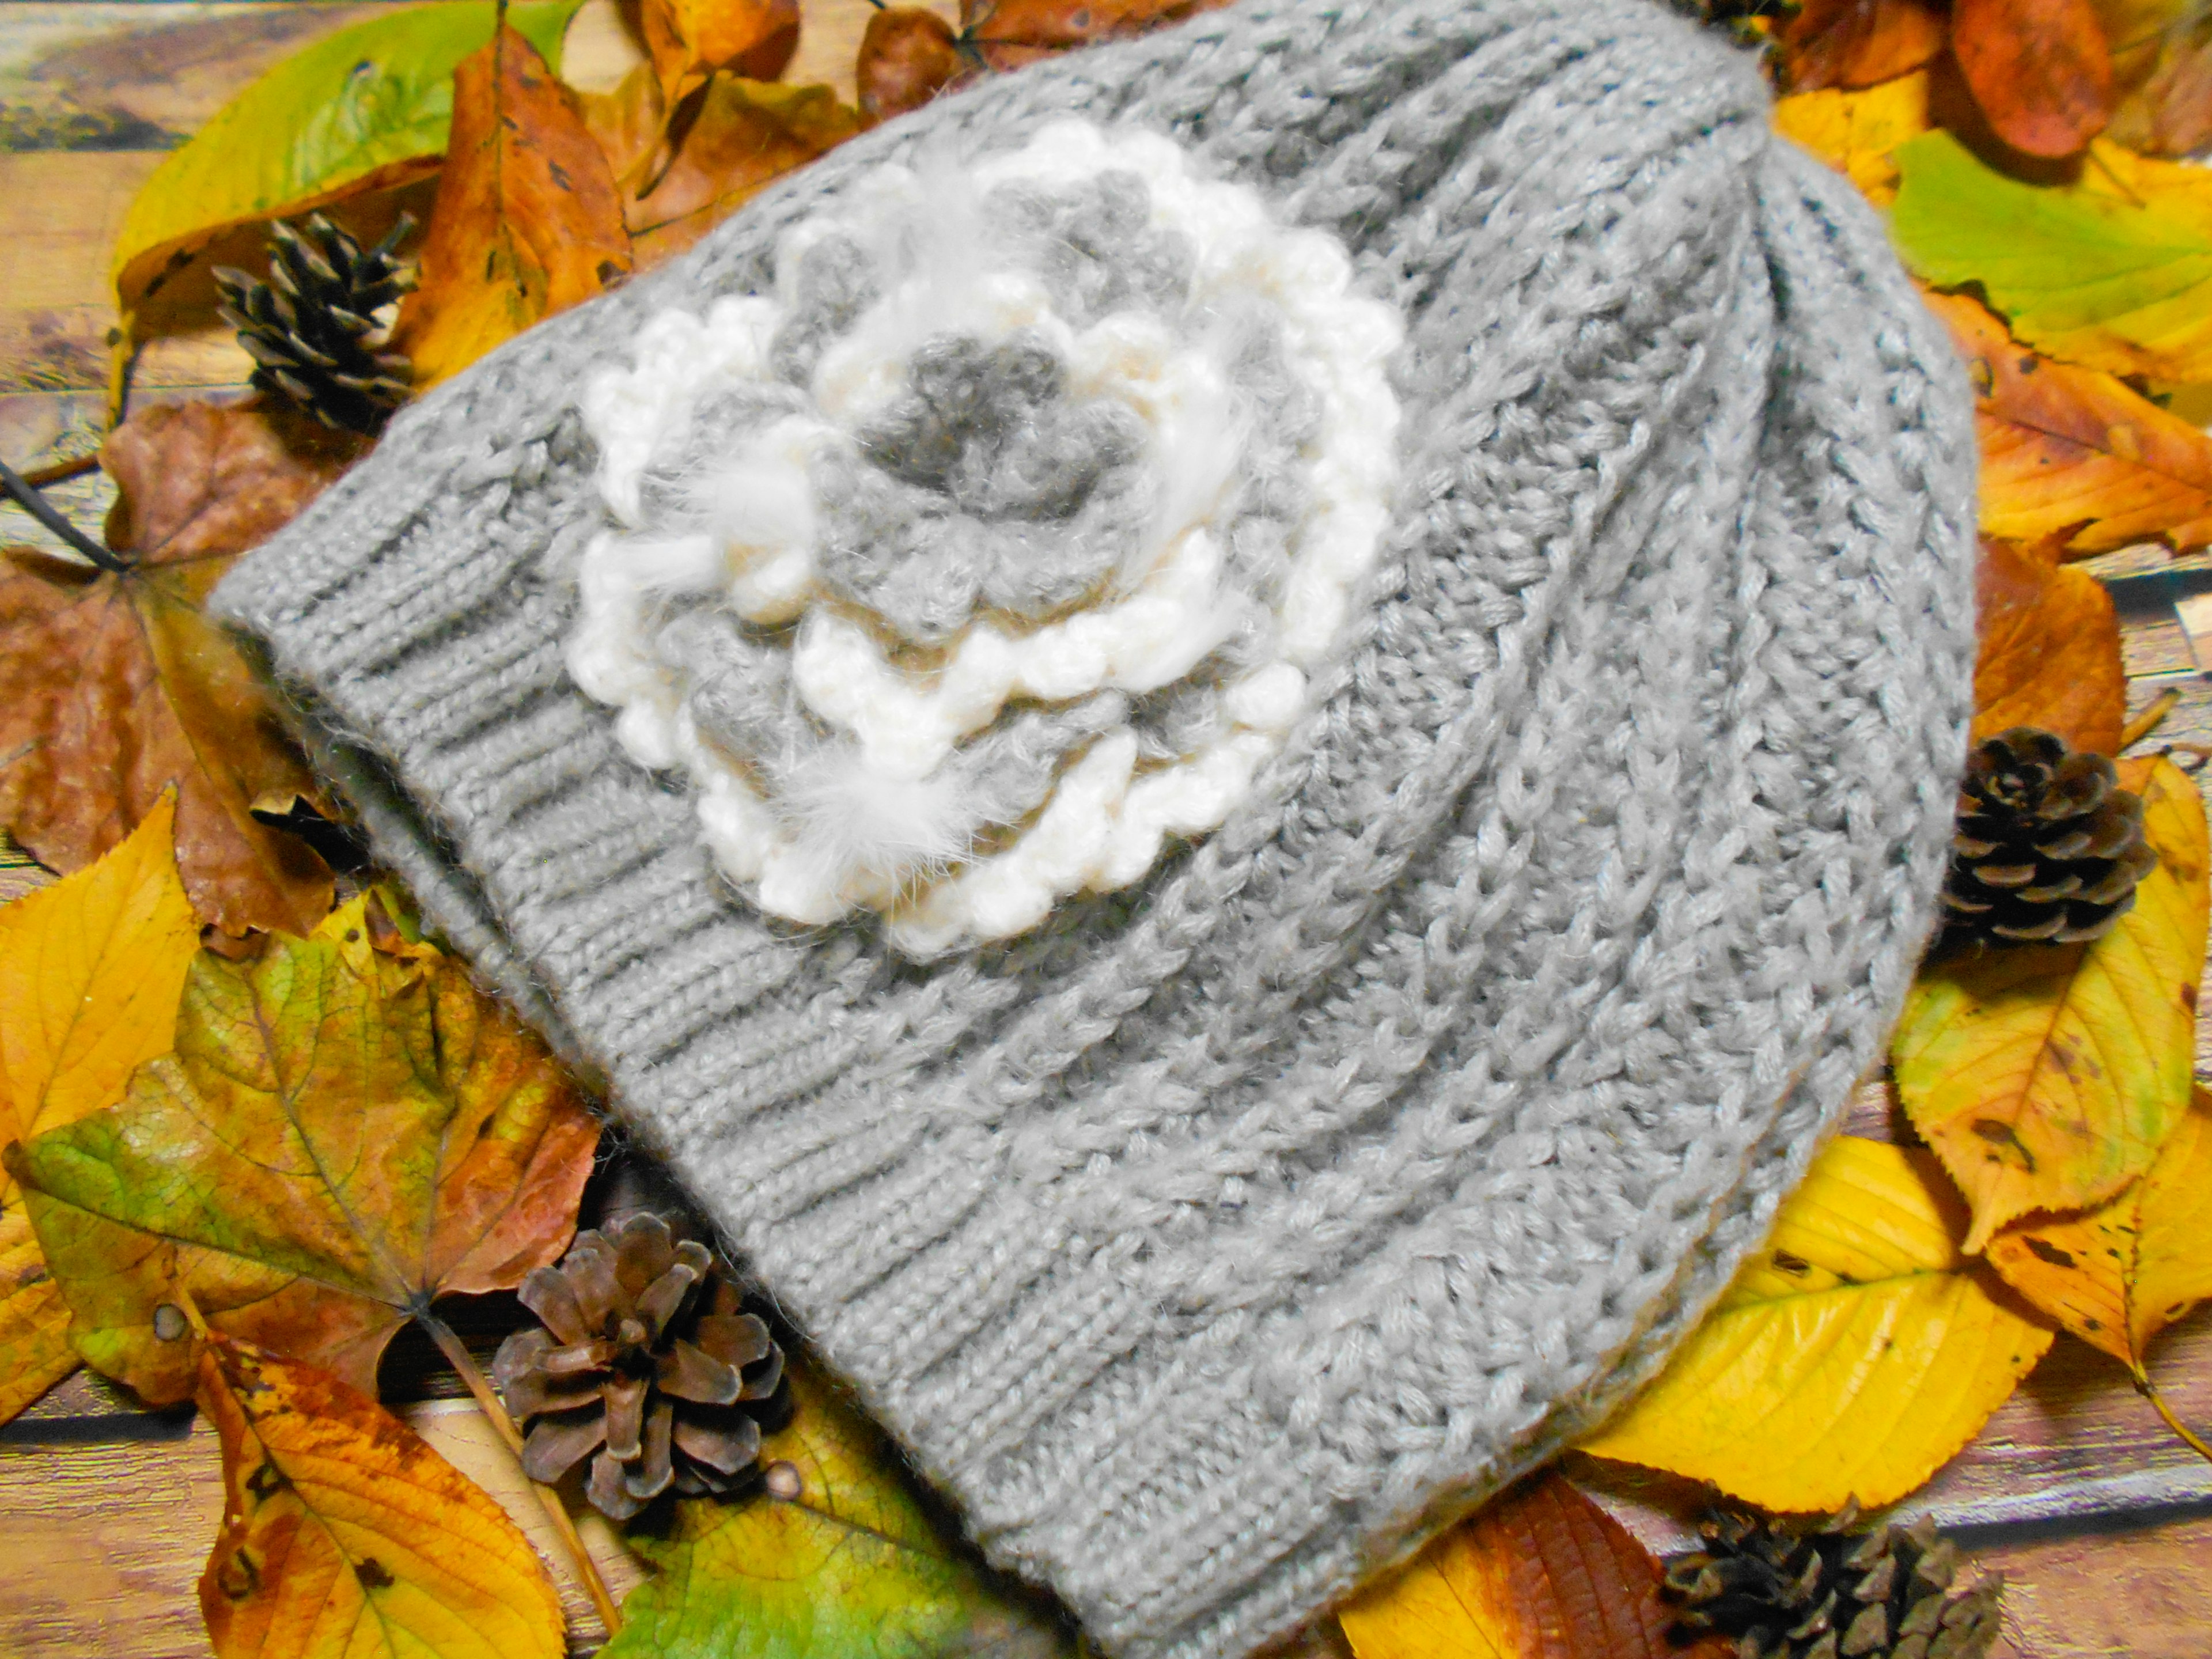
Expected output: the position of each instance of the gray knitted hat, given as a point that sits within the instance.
(1234, 743)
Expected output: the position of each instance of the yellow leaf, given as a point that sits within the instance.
(343, 1535)
(1540, 1572)
(1852, 1357)
(2118, 1275)
(2047, 1077)
(91, 969)
(1854, 132)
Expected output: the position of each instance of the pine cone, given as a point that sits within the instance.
(2048, 848)
(1827, 1593)
(649, 1362)
(316, 328)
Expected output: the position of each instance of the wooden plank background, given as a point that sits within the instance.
(2101, 1519)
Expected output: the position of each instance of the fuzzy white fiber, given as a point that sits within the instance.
(883, 814)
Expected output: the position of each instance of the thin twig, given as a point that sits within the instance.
(2150, 720)
(54, 473)
(27, 497)
(495, 1411)
(2149, 1390)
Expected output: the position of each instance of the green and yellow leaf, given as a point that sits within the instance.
(345, 1537)
(1852, 1357)
(2047, 1077)
(1856, 132)
(91, 968)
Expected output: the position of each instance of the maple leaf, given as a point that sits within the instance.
(2075, 451)
(345, 1537)
(1851, 1358)
(2113, 271)
(347, 1130)
(1858, 43)
(747, 135)
(689, 40)
(114, 688)
(907, 55)
(527, 220)
(2047, 1077)
(2049, 650)
(1539, 1572)
(837, 1559)
(2040, 70)
(2117, 1275)
(90, 971)
(1855, 133)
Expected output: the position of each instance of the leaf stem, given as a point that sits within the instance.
(2150, 720)
(495, 1410)
(2149, 1390)
(54, 473)
(26, 496)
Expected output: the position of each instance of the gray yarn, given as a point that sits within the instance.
(1212, 1242)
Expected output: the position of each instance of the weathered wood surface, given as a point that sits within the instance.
(2101, 1521)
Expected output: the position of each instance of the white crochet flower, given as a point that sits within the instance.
(991, 553)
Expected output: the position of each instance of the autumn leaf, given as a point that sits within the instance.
(850, 1567)
(2040, 68)
(906, 57)
(1539, 1572)
(114, 688)
(629, 124)
(2074, 450)
(2120, 1274)
(748, 135)
(345, 1537)
(1852, 1357)
(2168, 110)
(347, 1129)
(2049, 650)
(2047, 1077)
(90, 971)
(1858, 43)
(1012, 32)
(689, 40)
(367, 108)
(527, 221)
(2112, 272)
(1855, 133)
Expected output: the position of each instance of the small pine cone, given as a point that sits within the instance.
(2048, 848)
(648, 1362)
(1828, 1593)
(317, 328)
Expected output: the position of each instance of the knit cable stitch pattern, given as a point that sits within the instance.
(1212, 1241)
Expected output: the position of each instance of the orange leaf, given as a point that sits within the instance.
(689, 40)
(1858, 43)
(1540, 1573)
(1012, 32)
(2049, 650)
(748, 135)
(906, 57)
(113, 689)
(90, 971)
(2040, 70)
(527, 221)
(348, 1129)
(2074, 450)
(345, 1537)
(628, 124)
(2118, 1275)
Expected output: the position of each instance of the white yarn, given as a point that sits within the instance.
(897, 840)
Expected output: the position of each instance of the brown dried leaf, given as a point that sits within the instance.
(348, 1128)
(1539, 1573)
(747, 134)
(2040, 70)
(113, 688)
(2050, 653)
(2074, 454)
(1858, 43)
(1012, 32)
(2169, 112)
(689, 40)
(906, 57)
(527, 221)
